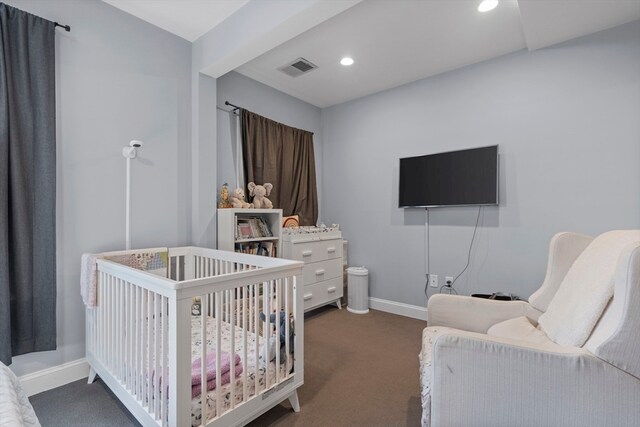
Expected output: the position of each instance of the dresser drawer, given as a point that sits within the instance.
(318, 250)
(322, 292)
(321, 270)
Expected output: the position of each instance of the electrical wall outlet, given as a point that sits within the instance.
(448, 280)
(433, 280)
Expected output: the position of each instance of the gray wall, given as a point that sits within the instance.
(118, 78)
(268, 102)
(566, 119)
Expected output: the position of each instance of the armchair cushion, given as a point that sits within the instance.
(474, 314)
(586, 289)
(522, 329)
(563, 250)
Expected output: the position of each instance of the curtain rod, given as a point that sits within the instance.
(235, 107)
(67, 28)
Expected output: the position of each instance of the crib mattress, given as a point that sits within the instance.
(264, 374)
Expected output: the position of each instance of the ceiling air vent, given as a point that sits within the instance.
(298, 67)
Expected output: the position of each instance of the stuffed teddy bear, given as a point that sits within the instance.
(259, 192)
(237, 199)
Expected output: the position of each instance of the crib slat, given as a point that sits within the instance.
(138, 354)
(251, 300)
(232, 353)
(100, 322)
(287, 332)
(277, 319)
(120, 335)
(149, 350)
(144, 347)
(156, 355)
(132, 339)
(165, 358)
(123, 332)
(129, 322)
(107, 321)
(237, 305)
(116, 324)
(203, 357)
(218, 318)
(266, 308)
(256, 311)
(245, 289)
(110, 322)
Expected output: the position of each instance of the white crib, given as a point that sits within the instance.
(143, 332)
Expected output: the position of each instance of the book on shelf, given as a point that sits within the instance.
(244, 231)
(257, 248)
(252, 228)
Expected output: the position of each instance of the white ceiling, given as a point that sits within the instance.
(393, 42)
(188, 19)
(397, 42)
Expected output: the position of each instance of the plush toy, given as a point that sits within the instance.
(237, 199)
(271, 345)
(259, 193)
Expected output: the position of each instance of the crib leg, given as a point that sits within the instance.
(338, 304)
(295, 403)
(92, 376)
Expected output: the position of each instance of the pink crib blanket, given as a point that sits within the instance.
(225, 371)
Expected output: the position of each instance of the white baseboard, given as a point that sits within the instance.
(57, 376)
(402, 309)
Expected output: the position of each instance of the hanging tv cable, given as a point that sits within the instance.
(448, 287)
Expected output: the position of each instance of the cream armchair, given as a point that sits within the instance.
(490, 363)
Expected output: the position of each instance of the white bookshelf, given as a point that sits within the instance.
(228, 222)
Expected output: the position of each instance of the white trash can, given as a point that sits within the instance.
(358, 290)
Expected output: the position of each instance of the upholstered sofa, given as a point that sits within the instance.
(570, 356)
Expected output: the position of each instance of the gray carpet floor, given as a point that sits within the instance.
(360, 370)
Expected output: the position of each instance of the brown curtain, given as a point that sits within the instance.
(283, 156)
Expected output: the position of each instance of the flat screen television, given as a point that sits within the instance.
(455, 178)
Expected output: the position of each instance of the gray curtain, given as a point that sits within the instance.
(27, 184)
(283, 156)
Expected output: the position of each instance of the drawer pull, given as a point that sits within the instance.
(320, 272)
(331, 289)
(308, 297)
(307, 253)
(331, 249)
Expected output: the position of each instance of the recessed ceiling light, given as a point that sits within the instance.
(346, 61)
(487, 5)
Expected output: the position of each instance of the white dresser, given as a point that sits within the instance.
(321, 252)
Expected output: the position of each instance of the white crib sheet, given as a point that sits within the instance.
(225, 390)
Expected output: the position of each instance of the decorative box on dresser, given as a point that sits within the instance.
(321, 252)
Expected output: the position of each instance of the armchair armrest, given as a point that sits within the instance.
(474, 314)
(479, 380)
